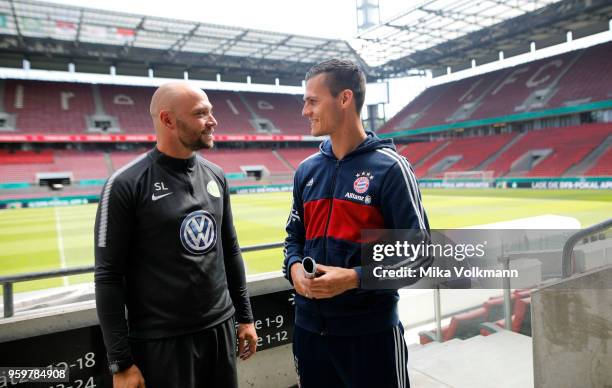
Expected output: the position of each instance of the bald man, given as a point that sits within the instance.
(166, 251)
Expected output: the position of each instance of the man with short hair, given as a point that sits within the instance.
(346, 336)
(166, 250)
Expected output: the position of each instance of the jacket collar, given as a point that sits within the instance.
(174, 163)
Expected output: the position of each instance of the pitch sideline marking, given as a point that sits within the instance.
(60, 243)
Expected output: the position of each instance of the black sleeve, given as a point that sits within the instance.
(114, 221)
(234, 266)
(296, 233)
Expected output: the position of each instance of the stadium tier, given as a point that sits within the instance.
(603, 165)
(48, 107)
(129, 104)
(543, 153)
(283, 111)
(569, 79)
(22, 166)
(295, 156)
(415, 152)
(463, 154)
(551, 151)
(60, 107)
(231, 112)
(233, 161)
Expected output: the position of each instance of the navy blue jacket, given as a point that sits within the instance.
(372, 187)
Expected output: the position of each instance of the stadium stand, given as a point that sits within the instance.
(49, 107)
(470, 152)
(282, 110)
(121, 158)
(464, 325)
(587, 84)
(480, 320)
(566, 146)
(546, 152)
(514, 88)
(129, 104)
(231, 112)
(295, 156)
(232, 160)
(412, 112)
(60, 107)
(567, 79)
(521, 319)
(458, 98)
(416, 152)
(22, 166)
(603, 165)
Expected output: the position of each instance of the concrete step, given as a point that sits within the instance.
(431, 349)
(421, 380)
(590, 160)
(490, 159)
(501, 360)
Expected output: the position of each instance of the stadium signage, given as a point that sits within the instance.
(133, 138)
(523, 183)
(81, 351)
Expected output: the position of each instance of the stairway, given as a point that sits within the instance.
(590, 160)
(489, 160)
(500, 360)
(108, 161)
(435, 151)
(283, 160)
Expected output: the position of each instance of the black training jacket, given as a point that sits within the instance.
(166, 248)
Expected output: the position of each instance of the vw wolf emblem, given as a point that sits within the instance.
(199, 232)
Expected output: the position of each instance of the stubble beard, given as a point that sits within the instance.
(193, 145)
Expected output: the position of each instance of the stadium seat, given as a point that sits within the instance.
(521, 319)
(471, 151)
(416, 152)
(569, 145)
(49, 107)
(295, 156)
(462, 326)
(567, 79)
(62, 107)
(603, 165)
(82, 164)
(284, 111)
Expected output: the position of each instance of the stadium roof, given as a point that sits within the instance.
(434, 34)
(72, 32)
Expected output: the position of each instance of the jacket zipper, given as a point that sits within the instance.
(331, 206)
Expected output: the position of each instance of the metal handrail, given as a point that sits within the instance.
(568, 248)
(8, 281)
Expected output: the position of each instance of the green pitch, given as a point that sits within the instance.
(51, 238)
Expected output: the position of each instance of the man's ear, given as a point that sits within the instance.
(346, 96)
(166, 118)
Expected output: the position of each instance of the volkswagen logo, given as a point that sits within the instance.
(199, 232)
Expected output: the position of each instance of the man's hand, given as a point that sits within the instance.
(300, 282)
(332, 281)
(129, 378)
(247, 340)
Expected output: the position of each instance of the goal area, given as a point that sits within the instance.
(468, 176)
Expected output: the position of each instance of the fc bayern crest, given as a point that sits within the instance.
(199, 232)
(362, 183)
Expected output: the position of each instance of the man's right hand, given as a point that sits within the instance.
(129, 378)
(300, 282)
